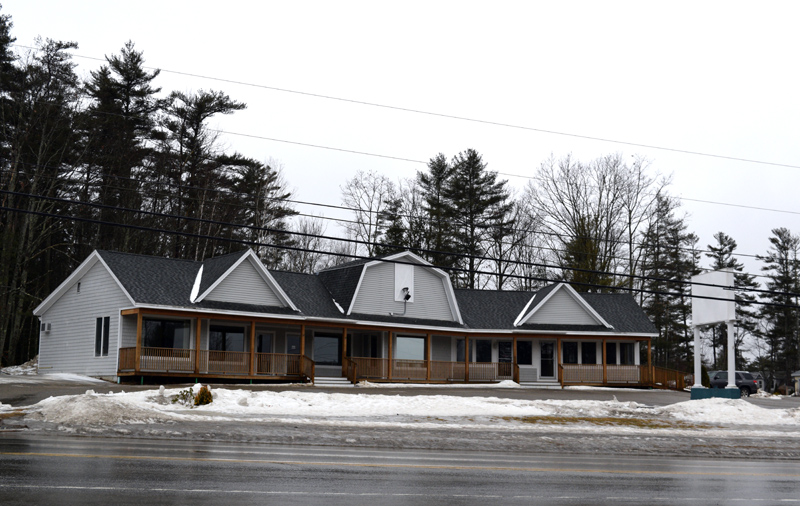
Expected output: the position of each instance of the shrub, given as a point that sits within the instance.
(203, 396)
(185, 397)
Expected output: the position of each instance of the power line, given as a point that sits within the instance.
(558, 235)
(361, 257)
(448, 116)
(355, 241)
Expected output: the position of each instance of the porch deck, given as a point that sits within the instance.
(214, 364)
(281, 366)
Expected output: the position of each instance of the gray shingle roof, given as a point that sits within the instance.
(168, 282)
(621, 311)
(342, 283)
(153, 280)
(491, 309)
(308, 293)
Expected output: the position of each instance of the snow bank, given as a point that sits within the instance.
(320, 407)
(94, 409)
(731, 411)
(29, 367)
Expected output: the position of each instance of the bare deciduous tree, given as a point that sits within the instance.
(368, 194)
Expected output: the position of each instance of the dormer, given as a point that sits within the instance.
(241, 278)
(559, 305)
(399, 285)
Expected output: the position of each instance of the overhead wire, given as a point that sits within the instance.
(362, 257)
(356, 241)
(558, 235)
(445, 115)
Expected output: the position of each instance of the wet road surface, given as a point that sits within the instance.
(64, 470)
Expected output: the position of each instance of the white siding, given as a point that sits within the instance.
(376, 294)
(245, 285)
(128, 337)
(69, 346)
(561, 308)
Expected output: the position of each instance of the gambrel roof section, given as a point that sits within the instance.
(406, 257)
(241, 278)
(560, 305)
(75, 277)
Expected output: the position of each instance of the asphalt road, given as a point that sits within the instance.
(87, 471)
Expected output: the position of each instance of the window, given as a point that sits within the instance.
(611, 353)
(225, 338)
(410, 348)
(588, 353)
(569, 351)
(626, 356)
(264, 343)
(101, 333)
(525, 352)
(166, 334)
(483, 350)
(460, 350)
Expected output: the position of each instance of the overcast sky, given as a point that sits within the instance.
(714, 77)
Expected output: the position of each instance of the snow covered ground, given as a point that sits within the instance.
(712, 417)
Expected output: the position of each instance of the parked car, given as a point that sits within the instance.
(745, 382)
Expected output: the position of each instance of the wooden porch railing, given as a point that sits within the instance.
(489, 371)
(220, 363)
(670, 378)
(640, 375)
(165, 359)
(350, 370)
(447, 371)
(371, 368)
(307, 368)
(127, 359)
(224, 362)
(415, 370)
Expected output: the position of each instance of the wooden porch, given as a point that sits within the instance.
(619, 375)
(427, 371)
(214, 364)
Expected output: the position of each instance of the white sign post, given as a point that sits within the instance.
(713, 302)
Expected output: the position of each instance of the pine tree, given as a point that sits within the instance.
(668, 263)
(474, 196)
(118, 125)
(723, 256)
(439, 232)
(781, 333)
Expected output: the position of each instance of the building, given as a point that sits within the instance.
(395, 319)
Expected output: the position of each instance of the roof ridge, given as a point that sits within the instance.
(113, 252)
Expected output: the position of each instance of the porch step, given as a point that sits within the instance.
(326, 381)
(540, 384)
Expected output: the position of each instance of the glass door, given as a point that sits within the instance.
(504, 356)
(547, 360)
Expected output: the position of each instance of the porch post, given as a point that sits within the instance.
(466, 358)
(650, 361)
(605, 363)
(514, 358)
(198, 327)
(302, 340)
(138, 359)
(344, 351)
(391, 363)
(252, 348)
(428, 357)
(558, 362)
